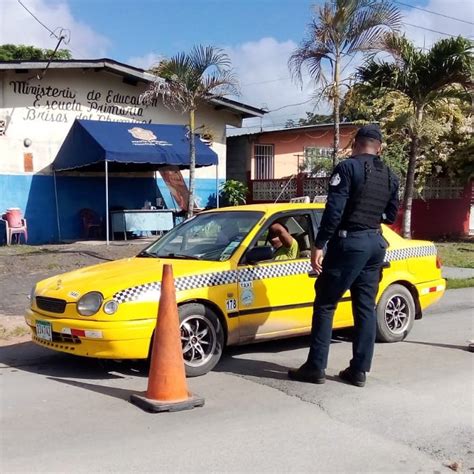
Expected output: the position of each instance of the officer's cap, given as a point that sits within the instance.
(370, 131)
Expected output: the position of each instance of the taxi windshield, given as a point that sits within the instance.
(210, 236)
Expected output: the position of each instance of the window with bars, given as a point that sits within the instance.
(317, 161)
(264, 161)
(317, 152)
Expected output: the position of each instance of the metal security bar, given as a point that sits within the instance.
(442, 188)
(264, 161)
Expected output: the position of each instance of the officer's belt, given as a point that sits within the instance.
(346, 233)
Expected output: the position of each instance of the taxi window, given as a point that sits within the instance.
(298, 226)
(207, 236)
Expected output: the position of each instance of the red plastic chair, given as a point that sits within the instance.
(91, 223)
(15, 224)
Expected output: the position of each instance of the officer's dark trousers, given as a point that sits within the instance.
(353, 262)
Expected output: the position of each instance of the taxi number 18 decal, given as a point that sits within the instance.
(231, 304)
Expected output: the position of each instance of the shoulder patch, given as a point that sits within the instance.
(335, 180)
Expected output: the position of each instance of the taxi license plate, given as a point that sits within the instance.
(43, 330)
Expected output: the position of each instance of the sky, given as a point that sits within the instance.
(258, 35)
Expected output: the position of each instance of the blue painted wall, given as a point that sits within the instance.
(34, 195)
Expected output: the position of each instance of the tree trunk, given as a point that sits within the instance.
(336, 106)
(410, 180)
(192, 164)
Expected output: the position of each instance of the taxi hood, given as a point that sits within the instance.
(112, 277)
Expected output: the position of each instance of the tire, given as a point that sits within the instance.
(202, 337)
(395, 314)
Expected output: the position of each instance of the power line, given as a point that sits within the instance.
(434, 13)
(266, 82)
(38, 20)
(272, 80)
(65, 34)
(305, 76)
(291, 105)
(429, 29)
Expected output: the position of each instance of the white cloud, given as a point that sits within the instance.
(263, 71)
(462, 9)
(145, 61)
(262, 68)
(17, 26)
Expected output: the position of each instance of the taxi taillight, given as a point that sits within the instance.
(439, 262)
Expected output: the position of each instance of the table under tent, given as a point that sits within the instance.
(93, 147)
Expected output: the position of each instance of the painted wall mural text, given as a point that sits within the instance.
(51, 104)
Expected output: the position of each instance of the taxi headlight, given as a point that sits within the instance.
(110, 307)
(90, 303)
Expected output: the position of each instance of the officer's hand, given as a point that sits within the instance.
(317, 259)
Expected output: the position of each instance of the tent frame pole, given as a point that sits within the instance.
(57, 205)
(107, 201)
(217, 183)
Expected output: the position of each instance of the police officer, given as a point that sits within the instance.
(363, 193)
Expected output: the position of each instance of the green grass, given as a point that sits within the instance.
(459, 283)
(456, 254)
(17, 331)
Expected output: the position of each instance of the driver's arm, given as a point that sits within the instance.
(284, 236)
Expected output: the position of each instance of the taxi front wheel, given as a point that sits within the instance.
(395, 314)
(202, 338)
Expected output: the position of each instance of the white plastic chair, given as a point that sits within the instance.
(11, 231)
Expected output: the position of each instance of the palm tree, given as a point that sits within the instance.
(185, 81)
(425, 78)
(342, 29)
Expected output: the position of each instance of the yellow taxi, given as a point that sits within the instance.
(229, 289)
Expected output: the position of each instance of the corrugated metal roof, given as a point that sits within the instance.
(238, 132)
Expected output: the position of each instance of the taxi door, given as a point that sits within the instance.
(275, 298)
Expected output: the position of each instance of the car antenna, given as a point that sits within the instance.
(284, 188)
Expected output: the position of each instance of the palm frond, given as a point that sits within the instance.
(219, 84)
(450, 61)
(312, 58)
(423, 77)
(369, 23)
(188, 78)
(205, 57)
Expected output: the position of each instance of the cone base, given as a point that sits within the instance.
(156, 406)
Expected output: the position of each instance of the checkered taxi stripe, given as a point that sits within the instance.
(151, 291)
(410, 252)
(136, 293)
(148, 291)
(274, 271)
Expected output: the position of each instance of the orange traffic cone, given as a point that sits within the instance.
(167, 389)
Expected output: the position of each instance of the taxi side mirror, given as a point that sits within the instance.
(259, 254)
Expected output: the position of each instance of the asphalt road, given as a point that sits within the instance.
(65, 414)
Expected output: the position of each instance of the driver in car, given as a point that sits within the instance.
(285, 246)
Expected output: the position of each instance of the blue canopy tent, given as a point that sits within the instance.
(94, 145)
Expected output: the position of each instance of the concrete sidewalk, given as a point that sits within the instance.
(453, 273)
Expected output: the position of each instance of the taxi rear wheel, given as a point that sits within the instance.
(395, 314)
(202, 338)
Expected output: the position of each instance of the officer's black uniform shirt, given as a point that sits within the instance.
(345, 180)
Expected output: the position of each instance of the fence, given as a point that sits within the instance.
(269, 190)
(442, 208)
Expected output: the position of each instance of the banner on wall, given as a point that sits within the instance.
(175, 182)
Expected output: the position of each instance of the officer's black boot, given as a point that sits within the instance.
(353, 377)
(306, 373)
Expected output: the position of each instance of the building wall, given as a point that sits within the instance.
(289, 144)
(42, 112)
